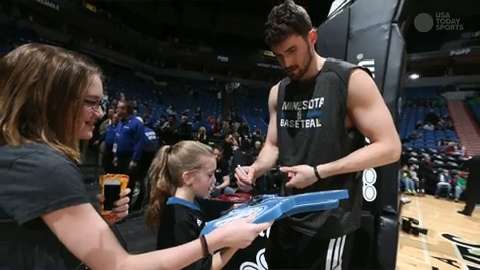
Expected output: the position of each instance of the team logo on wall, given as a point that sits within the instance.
(369, 177)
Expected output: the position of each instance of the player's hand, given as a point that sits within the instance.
(120, 211)
(240, 233)
(245, 176)
(300, 176)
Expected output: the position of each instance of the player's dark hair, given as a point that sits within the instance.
(284, 20)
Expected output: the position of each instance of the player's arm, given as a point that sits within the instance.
(269, 154)
(370, 115)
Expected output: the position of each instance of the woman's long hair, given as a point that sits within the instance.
(42, 91)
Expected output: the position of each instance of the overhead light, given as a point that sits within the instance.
(414, 76)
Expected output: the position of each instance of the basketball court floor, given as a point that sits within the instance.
(452, 241)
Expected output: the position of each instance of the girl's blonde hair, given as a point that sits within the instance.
(166, 171)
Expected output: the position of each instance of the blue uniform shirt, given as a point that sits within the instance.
(110, 135)
(129, 135)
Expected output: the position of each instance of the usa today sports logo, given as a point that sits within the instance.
(440, 21)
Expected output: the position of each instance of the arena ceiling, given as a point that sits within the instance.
(238, 25)
(227, 23)
(217, 23)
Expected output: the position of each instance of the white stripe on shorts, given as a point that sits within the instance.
(335, 253)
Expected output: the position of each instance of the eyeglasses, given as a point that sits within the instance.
(94, 105)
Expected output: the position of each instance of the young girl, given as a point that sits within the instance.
(180, 175)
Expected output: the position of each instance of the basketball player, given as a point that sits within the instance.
(319, 116)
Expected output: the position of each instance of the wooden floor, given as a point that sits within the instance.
(434, 250)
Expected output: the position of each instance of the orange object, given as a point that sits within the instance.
(123, 179)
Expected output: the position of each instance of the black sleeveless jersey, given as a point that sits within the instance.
(311, 130)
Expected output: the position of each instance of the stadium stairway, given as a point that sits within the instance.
(465, 125)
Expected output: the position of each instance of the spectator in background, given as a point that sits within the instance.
(226, 129)
(234, 126)
(122, 97)
(186, 112)
(184, 129)
(109, 140)
(416, 134)
(236, 141)
(431, 118)
(105, 123)
(201, 135)
(211, 124)
(162, 120)
(257, 135)
(473, 186)
(134, 105)
(245, 143)
(168, 131)
(243, 130)
(135, 113)
(171, 111)
(429, 126)
(418, 124)
(222, 175)
(426, 174)
(243, 154)
(460, 184)
(151, 145)
(101, 134)
(128, 145)
(443, 184)
(114, 103)
(217, 130)
(451, 147)
(198, 115)
(406, 181)
(441, 125)
(257, 148)
(228, 146)
(157, 127)
(148, 120)
(418, 183)
(234, 116)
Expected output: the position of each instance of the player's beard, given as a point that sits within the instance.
(302, 70)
